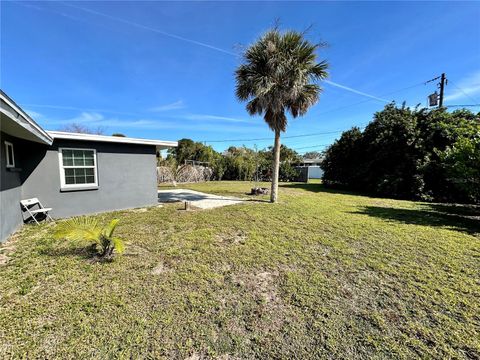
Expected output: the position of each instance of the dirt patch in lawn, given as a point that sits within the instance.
(234, 237)
(3, 259)
(261, 285)
(7, 249)
(262, 301)
(161, 268)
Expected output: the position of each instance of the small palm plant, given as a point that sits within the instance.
(87, 229)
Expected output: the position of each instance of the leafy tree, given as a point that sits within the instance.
(88, 229)
(341, 164)
(236, 163)
(185, 150)
(409, 153)
(288, 157)
(240, 163)
(389, 144)
(279, 75)
(312, 155)
(461, 162)
(189, 150)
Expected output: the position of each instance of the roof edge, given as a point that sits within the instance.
(38, 131)
(111, 139)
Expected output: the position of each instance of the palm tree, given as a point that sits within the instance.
(88, 229)
(279, 74)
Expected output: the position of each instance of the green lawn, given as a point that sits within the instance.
(322, 274)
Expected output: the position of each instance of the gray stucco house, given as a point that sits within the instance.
(75, 174)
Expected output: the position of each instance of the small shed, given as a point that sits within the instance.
(313, 169)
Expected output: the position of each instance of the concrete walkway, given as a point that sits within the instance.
(196, 198)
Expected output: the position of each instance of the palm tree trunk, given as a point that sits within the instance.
(276, 167)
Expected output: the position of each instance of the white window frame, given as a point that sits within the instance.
(65, 186)
(10, 163)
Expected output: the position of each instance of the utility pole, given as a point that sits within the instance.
(443, 82)
(433, 98)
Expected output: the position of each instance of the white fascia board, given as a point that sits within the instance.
(111, 139)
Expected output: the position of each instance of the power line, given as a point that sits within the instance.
(463, 105)
(321, 113)
(310, 147)
(269, 138)
(368, 100)
(463, 92)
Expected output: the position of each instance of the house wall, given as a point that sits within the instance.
(10, 188)
(126, 179)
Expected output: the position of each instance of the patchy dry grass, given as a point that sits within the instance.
(322, 274)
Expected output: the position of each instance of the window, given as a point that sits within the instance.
(9, 155)
(78, 168)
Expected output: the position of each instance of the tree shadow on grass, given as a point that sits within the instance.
(84, 252)
(316, 187)
(456, 217)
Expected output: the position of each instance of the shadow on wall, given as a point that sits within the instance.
(464, 218)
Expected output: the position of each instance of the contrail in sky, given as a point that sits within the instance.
(340, 86)
(191, 41)
(199, 43)
(158, 31)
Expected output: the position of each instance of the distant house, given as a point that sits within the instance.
(75, 174)
(313, 169)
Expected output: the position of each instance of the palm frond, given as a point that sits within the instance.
(108, 230)
(88, 229)
(78, 229)
(279, 73)
(118, 244)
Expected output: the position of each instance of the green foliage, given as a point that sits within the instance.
(341, 163)
(288, 158)
(409, 153)
(189, 150)
(87, 229)
(279, 74)
(288, 172)
(236, 163)
(461, 162)
(241, 163)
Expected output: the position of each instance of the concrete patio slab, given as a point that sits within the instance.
(196, 198)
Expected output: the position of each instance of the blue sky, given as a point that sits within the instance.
(164, 70)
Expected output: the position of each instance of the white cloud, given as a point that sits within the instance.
(466, 89)
(62, 107)
(94, 119)
(86, 117)
(173, 106)
(208, 117)
(33, 114)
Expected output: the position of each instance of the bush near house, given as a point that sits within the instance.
(410, 153)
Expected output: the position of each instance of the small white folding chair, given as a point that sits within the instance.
(28, 204)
